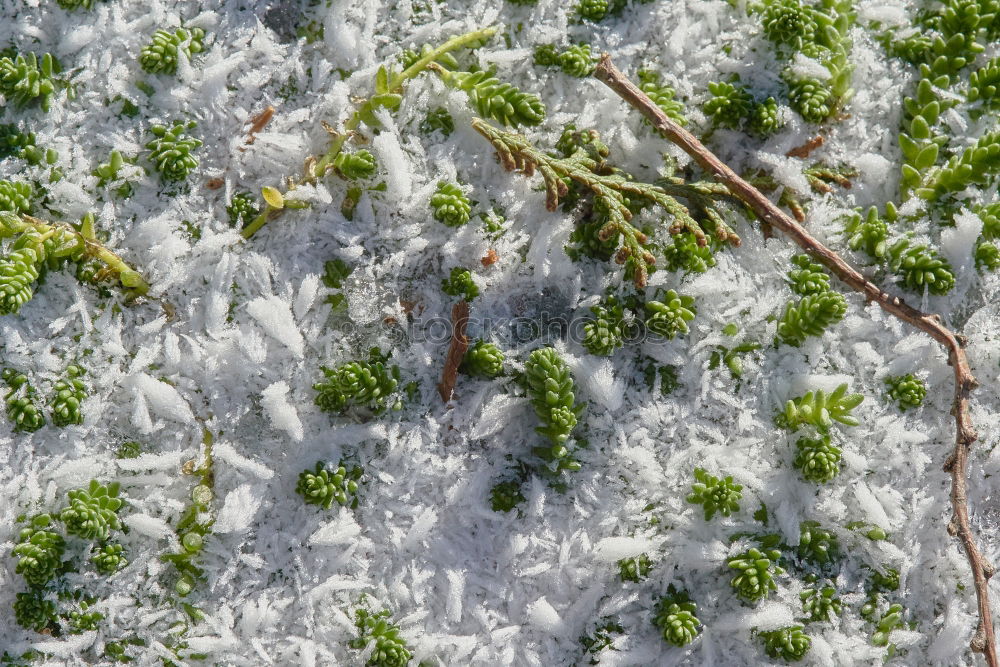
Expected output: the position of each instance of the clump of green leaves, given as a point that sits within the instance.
(891, 620)
(33, 611)
(460, 283)
(390, 648)
(353, 166)
(820, 604)
(161, 54)
(907, 390)
(505, 496)
(605, 333)
(765, 118)
(172, 152)
(869, 234)
(715, 494)
(670, 316)
(242, 209)
(496, 99)
(975, 165)
(807, 277)
(601, 639)
(816, 544)
(820, 410)
(450, 205)
(15, 196)
(634, 569)
(322, 487)
(984, 88)
(810, 316)
(662, 95)
(23, 80)
(674, 616)
(577, 60)
(788, 23)
(593, 10)
(790, 643)
(817, 459)
(109, 558)
(756, 570)
(730, 104)
(484, 360)
(25, 416)
(550, 388)
(68, 396)
(92, 512)
(39, 552)
(357, 383)
(920, 266)
(438, 120)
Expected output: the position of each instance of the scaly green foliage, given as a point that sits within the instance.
(550, 388)
(390, 648)
(21, 409)
(756, 571)
(577, 60)
(907, 390)
(613, 193)
(819, 409)
(15, 196)
(820, 604)
(605, 333)
(817, 459)
(92, 512)
(730, 105)
(634, 569)
(171, 150)
(505, 496)
(919, 267)
(789, 643)
(354, 166)
(816, 544)
(810, 316)
(68, 394)
(460, 283)
(161, 54)
(670, 316)
(361, 383)
(322, 487)
(495, 99)
(483, 359)
(39, 552)
(450, 205)
(242, 209)
(109, 558)
(32, 611)
(714, 494)
(674, 616)
(24, 81)
(662, 95)
(788, 23)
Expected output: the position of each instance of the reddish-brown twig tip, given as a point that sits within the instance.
(984, 640)
(456, 351)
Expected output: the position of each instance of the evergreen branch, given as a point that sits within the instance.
(984, 640)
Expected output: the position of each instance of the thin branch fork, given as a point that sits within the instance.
(984, 640)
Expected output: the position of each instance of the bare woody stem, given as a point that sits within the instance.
(456, 351)
(984, 640)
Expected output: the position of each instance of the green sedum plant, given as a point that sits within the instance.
(32, 611)
(438, 120)
(820, 604)
(634, 569)
(984, 88)
(788, 23)
(483, 359)
(15, 196)
(109, 558)
(25, 416)
(674, 616)
(242, 209)
(171, 150)
(891, 620)
(68, 395)
(817, 459)
(605, 333)
(765, 118)
(730, 104)
(808, 277)
(160, 56)
(670, 316)
(390, 648)
(907, 390)
(919, 267)
(755, 569)
(92, 512)
(791, 643)
(577, 60)
(662, 95)
(714, 494)
(550, 388)
(505, 496)
(810, 316)
(820, 410)
(450, 205)
(353, 166)
(322, 487)
(39, 552)
(357, 383)
(460, 283)
(23, 80)
(816, 544)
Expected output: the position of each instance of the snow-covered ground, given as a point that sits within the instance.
(249, 327)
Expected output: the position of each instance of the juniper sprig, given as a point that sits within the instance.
(674, 616)
(23, 80)
(755, 574)
(483, 359)
(820, 604)
(634, 569)
(322, 487)
(920, 266)
(577, 60)
(171, 150)
(460, 283)
(354, 166)
(21, 409)
(69, 393)
(92, 512)
(39, 552)
(670, 316)
(550, 388)
(505, 496)
(161, 54)
(109, 558)
(714, 494)
(613, 193)
(817, 459)
(450, 205)
(357, 383)
(810, 316)
(816, 544)
(790, 643)
(819, 409)
(730, 104)
(390, 648)
(32, 611)
(495, 99)
(605, 333)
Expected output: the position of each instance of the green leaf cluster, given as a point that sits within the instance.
(390, 648)
(93, 512)
(670, 316)
(497, 100)
(161, 54)
(817, 545)
(23, 80)
(68, 395)
(634, 569)
(662, 95)
(715, 495)
(19, 401)
(460, 283)
(171, 151)
(756, 570)
(791, 643)
(605, 333)
(674, 617)
(483, 359)
(357, 383)
(820, 604)
(322, 487)
(242, 209)
(819, 409)
(550, 388)
(450, 205)
(907, 390)
(817, 459)
(39, 552)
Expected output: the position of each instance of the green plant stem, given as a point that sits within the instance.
(315, 168)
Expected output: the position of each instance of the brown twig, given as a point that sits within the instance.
(456, 351)
(957, 464)
(807, 148)
(258, 123)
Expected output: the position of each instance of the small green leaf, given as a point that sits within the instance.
(273, 197)
(382, 81)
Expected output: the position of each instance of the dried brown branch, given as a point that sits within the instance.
(258, 123)
(984, 640)
(807, 148)
(456, 351)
